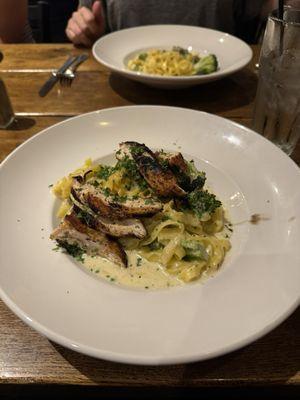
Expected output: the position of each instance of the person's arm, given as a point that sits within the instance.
(86, 25)
(13, 17)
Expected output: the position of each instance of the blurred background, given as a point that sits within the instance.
(48, 19)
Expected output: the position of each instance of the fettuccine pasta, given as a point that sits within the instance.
(175, 62)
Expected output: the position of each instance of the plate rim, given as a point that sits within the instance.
(133, 359)
(139, 360)
(175, 79)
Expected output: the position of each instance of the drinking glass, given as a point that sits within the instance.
(6, 111)
(277, 104)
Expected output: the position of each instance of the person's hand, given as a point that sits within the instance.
(86, 25)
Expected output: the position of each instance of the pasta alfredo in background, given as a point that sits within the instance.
(149, 216)
(175, 62)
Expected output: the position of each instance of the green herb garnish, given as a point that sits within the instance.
(201, 201)
(104, 172)
(74, 250)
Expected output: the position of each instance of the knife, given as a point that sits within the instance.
(48, 85)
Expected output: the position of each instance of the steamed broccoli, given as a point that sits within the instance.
(201, 201)
(194, 250)
(206, 65)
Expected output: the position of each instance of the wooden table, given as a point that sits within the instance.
(28, 358)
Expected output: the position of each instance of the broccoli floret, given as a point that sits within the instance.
(206, 65)
(194, 250)
(143, 56)
(201, 201)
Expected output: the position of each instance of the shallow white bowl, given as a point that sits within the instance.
(257, 287)
(113, 51)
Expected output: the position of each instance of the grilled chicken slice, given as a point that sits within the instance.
(180, 168)
(72, 231)
(108, 207)
(161, 179)
(125, 227)
(174, 160)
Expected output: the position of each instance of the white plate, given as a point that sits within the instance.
(114, 49)
(257, 287)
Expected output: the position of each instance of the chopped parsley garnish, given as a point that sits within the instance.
(164, 164)
(131, 172)
(136, 150)
(74, 250)
(85, 217)
(50, 186)
(104, 172)
(106, 192)
(95, 183)
(201, 201)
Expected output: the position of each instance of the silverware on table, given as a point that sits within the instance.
(48, 85)
(67, 77)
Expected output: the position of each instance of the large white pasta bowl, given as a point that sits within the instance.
(256, 288)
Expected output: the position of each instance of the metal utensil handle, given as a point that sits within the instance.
(79, 60)
(66, 65)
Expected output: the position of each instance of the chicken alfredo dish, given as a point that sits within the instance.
(147, 221)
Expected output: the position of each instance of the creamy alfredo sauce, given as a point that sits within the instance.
(140, 273)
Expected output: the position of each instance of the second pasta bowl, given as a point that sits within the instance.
(172, 56)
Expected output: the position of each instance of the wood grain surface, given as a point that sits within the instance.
(27, 357)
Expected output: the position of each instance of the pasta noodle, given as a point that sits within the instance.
(175, 62)
(168, 235)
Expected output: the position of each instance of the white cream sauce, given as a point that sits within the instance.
(140, 273)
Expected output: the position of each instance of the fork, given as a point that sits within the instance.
(66, 78)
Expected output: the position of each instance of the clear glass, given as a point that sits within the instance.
(6, 111)
(277, 104)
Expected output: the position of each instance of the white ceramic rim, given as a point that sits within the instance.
(132, 359)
